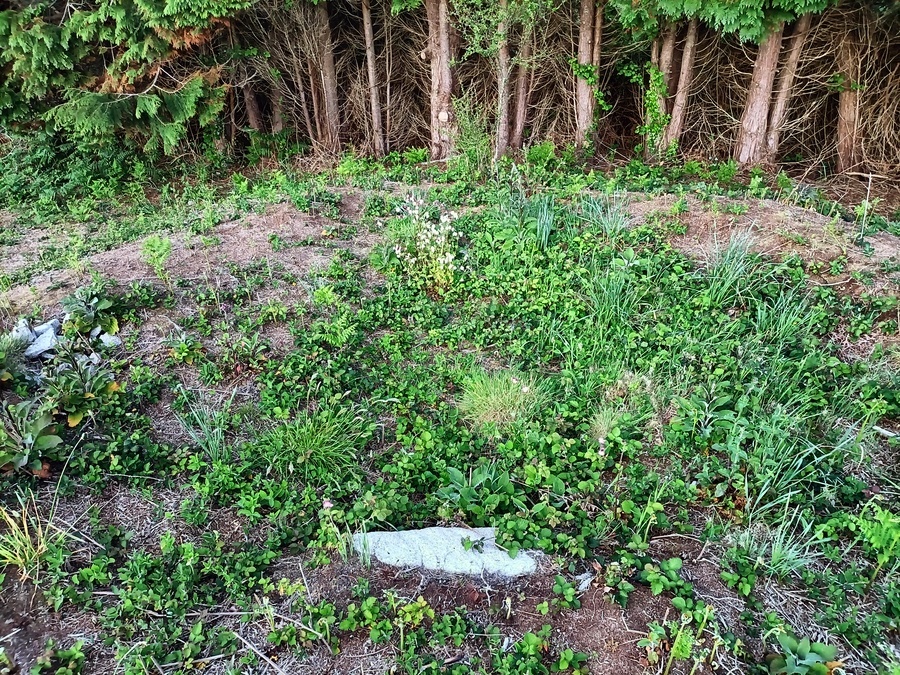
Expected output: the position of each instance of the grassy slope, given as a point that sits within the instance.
(719, 413)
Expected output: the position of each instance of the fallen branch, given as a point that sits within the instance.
(260, 655)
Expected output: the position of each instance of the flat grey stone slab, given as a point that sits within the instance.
(22, 332)
(110, 341)
(442, 549)
(44, 343)
(53, 325)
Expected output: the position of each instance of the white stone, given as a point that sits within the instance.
(22, 332)
(53, 325)
(95, 331)
(44, 343)
(110, 341)
(442, 549)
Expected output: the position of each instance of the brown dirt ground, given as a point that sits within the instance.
(198, 258)
(776, 230)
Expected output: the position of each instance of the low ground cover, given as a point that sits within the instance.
(695, 427)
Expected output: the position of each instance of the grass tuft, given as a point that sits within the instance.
(497, 402)
(320, 446)
(607, 213)
(732, 272)
(206, 425)
(12, 350)
(25, 538)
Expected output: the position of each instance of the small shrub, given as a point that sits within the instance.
(499, 401)
(156, 252)
(318, 446)
(11, 351)
(90, 307)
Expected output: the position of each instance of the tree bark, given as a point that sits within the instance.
(518, 131)
(441, 77)
(277, 111)
(584, 90)
(750, 142)
(685, 77)
(251, 105)
(301, 92)
(848, 151)
(503, 76)
(317, 107)
(598, 38)
(666, 58)
(784, 86)
(374, 96)
(332, 140)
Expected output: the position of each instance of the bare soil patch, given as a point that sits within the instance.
(778, 230)
(306, 243)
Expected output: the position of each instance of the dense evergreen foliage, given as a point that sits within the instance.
(763, 81)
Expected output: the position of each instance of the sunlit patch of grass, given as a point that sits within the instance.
(496, 402)
(320, 446)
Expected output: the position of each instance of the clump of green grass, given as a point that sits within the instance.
(320, 446)
(206, 425)
(25, 538)
(607, 213)
(497, 402)
(733, 272)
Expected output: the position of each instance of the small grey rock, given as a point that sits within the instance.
(44, 343)
(95, 331)
(95, 358)
(53, 325)
(442, 549)
(584, 581)
(22, 332)
(110, 341)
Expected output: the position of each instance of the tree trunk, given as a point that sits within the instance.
(374, 96)
(848, 152)
(277, 111)
(332, 140)
(750, 142)
(598, 38)
(441, 77)
(231, 125)
(301, 92)
(584, 90)
(518, 131)
(666, 58)
(672, 133)
(317, 107)
(503, 76)
(251, 105)
(783, 88)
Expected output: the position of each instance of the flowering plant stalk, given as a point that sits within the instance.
(431, 251)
